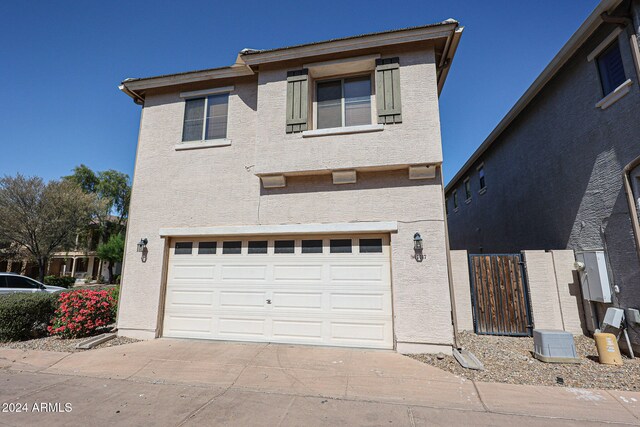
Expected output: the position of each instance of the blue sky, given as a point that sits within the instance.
(61, 62)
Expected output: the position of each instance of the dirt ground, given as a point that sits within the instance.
(54, 343)
(509, 360)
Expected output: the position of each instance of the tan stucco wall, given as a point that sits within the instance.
(462, 289)
(218, 186)
(554, 290)
(417, 140)
(569, 292)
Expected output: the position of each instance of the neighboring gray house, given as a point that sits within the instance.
(552, 174)
(278, 199)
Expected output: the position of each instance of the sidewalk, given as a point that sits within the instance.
(182, 382)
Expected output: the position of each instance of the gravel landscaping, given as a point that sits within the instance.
(509, 360)
(55, 343)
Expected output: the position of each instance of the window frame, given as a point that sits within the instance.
(598, 61)
(468, 193)
(205, 118)
(482, 179)
(342, 78)
(184, 242)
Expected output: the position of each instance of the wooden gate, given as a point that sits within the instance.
(500, 295)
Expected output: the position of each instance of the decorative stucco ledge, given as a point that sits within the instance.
(257, 230)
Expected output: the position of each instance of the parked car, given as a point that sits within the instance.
(11, 282)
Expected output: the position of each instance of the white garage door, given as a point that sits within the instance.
(312, 290)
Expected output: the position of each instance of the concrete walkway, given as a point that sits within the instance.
(185, 382)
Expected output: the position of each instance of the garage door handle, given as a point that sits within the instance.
(268, 301)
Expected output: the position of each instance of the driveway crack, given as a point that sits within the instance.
(210, 401)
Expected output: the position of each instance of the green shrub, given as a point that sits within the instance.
(26, 315)
(63, 282)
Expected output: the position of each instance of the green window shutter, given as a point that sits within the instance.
(388, 90)
(297, 100)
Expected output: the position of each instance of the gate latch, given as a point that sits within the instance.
(268, 301)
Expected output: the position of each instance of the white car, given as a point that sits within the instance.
(10, 283)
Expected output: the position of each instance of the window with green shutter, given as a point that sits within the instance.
(297, 100)
(388, 90)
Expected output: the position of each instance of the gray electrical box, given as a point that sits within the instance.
(554, 346)
(594, 277)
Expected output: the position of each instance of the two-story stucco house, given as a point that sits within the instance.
(295, 197)
(562, 169)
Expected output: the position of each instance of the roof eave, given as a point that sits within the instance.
(134, 85)
(346, 45)
(577, 39)
(448, 57)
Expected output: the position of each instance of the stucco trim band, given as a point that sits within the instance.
(256, 230)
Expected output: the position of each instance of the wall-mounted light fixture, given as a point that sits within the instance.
(142, 244)
(417, 247)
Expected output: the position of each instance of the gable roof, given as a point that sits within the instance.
(578, 38)
(248, 59)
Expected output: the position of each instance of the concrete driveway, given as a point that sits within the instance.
(186, 382)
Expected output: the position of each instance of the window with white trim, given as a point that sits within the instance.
(343, 102)
(483, 183)
(205, 118)
(467, 189)
(610, 68)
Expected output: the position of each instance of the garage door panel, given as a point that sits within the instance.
(190, 298)
(355, 272)
(297, 300)
(242, 299)
(201, 325)
(297, 329)
(357, 331)
(192, 271)
(321, 298)
(359, 302)
(301, 272)
(244, 272)
(245, 327)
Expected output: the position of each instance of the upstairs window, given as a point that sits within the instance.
(344, 102)
(455, 199)
(467, 189)
(611, 69)
(205, 118)
(483, 183)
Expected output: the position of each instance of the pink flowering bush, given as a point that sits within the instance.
(81, 312)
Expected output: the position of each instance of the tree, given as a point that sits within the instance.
(113, 192)
(42, 218)
(112, 251)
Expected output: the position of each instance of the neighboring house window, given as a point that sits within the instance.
(455, 199)
(611, 69)
(446, 205)
(483, 183)
(467, 189)
(344, 102)
(205, 118)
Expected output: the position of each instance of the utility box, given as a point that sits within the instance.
(594, 277)
(554, 346)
